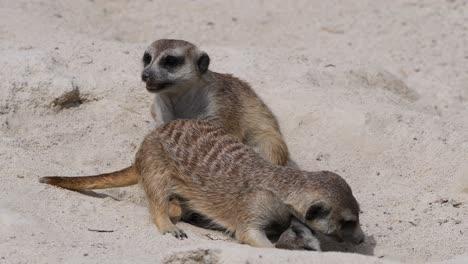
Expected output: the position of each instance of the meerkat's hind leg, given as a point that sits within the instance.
(162, 216)
(156, 178)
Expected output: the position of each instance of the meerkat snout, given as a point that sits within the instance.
(351, 232)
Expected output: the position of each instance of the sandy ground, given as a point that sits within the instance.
(374, 90)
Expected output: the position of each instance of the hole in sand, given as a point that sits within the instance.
(73, 98)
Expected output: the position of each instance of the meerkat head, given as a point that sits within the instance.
(335, 211)
(169, 64)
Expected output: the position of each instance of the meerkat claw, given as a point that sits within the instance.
(177, 233)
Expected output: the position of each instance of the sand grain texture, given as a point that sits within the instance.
(376, 91)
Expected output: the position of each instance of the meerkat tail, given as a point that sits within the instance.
(121, 178)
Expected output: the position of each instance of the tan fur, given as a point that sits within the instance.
(220, 98)
(120, 178)
(217, 176)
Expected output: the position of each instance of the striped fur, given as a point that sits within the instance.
(209, 171)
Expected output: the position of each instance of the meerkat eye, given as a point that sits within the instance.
(317, 211)
(172, 61)
(146, 59)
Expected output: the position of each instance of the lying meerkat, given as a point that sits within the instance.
(192, 165)
(177, 72)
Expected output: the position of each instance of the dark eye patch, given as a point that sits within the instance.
(317, 211)
(146, 59)
(171, 61)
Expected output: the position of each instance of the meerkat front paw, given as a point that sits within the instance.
(176, 232)
(298, 237)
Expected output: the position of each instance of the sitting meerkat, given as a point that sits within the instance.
(176, 71)
(194, 166)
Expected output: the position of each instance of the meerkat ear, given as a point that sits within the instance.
(203, 62)
(317, 211)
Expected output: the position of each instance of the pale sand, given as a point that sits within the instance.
(376, 91)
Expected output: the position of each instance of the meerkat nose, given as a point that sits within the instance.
(145, 76)
(361, 240)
